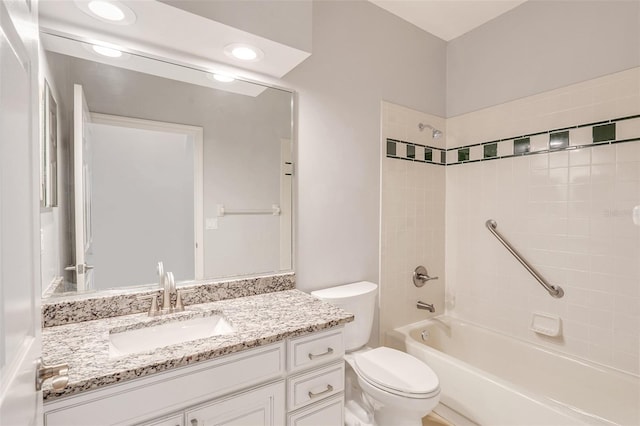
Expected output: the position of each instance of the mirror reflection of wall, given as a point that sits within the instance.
(143, 208)
(143, 180)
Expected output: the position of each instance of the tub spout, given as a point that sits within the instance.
(427, 306)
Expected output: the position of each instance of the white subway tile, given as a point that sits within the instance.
(578, 209)
(628, 151)
(580, 136)
(601, 336)
(628, 171)
(452, 156)
(580, 174)
(628, 129)
(601, 354)
(604, 154)
(559, 159)
(625, 342)
(475, 152)
(505, 148)
(603, 173)
(401, 150)
(580, 157)
(540, 161)
(539, 142)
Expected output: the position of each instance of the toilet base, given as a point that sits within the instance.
(390, 417)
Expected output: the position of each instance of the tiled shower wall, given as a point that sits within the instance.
(567, 208)
(412, 216)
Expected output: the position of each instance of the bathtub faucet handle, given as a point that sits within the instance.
(426, 306)
(421, 276)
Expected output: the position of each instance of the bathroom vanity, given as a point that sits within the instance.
(280, 362)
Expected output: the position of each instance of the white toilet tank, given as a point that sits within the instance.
(359, 299)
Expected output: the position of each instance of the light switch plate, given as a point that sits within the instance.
(211, 223)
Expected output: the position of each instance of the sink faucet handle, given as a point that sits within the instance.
(153, 309)
(179, 304)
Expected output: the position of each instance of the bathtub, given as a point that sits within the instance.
(492, 379)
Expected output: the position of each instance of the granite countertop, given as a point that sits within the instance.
(258, 320)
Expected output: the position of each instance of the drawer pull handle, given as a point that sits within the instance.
(328, 352)
(327, 390)
(194, 422)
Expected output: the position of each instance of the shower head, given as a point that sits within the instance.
(435, 133)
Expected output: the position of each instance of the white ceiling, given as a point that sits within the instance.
(447, 19)
(171, 33)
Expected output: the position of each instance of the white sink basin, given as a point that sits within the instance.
(166, 334)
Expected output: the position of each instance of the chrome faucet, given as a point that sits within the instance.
(427, 306)
(168, 288)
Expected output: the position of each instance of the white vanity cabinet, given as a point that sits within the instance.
(315, 390)
(152, 398)
(298, 382)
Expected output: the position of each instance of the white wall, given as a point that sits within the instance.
(567, 212)
(142, 205)
(539, 46)
(361, 55)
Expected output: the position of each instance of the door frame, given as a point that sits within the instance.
(197, 133)
(20, 402)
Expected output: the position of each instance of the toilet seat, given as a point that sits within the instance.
(396, 372)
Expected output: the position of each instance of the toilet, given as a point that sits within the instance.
(398, 388)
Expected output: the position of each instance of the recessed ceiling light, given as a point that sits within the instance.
(106, 10)
(110, 11)
(107, 51)
(244, 52)
(223, 78)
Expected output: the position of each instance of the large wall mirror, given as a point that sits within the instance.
(161, 162)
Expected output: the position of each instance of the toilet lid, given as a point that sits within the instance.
(397, 371)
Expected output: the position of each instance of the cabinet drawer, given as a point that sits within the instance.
(307, 388)
(329, 412)
(164, 393)
(315, 349)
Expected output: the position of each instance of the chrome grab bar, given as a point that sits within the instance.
(554, 290)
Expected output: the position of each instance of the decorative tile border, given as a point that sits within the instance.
(410, 151)
(618, 130)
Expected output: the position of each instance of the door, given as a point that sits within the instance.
(82, 188)
(20, 403)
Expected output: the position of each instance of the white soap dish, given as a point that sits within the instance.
(547, 324)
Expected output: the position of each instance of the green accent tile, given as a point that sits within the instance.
(604, 133)
(443, 157)
(559, 140)
(490, 150)
(463, 154)
(391, 148)
(428, 154)
(411, 151)
(521, 146)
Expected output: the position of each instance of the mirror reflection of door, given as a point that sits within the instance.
(82, 189)
(143, 177)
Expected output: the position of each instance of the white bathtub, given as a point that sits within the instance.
(495, 380)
